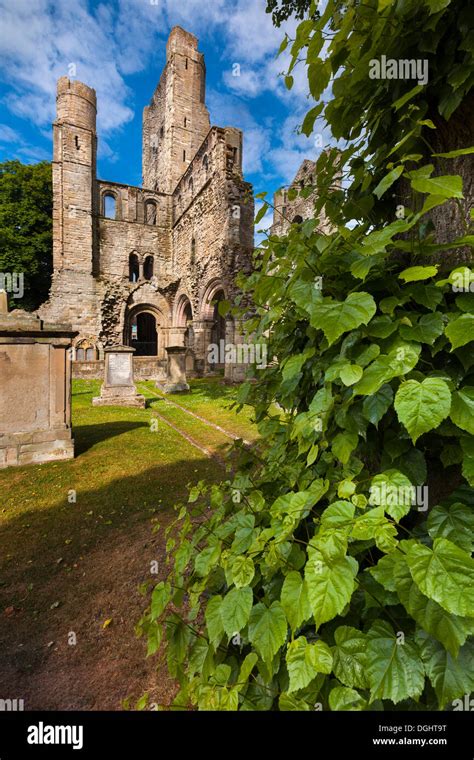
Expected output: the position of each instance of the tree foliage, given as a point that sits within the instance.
(26, 207)
(318, 575)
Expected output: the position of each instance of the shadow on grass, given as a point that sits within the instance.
(33, 579)
(86, 436)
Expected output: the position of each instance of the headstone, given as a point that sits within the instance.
(118, 388)
(176, 371)
(35, 392)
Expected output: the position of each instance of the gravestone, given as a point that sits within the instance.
(118, 388)
(35, 389)
(175, 372)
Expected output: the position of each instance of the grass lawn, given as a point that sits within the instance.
(76, 541)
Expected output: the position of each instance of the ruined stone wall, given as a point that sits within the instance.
(177, 120)
(213, 207)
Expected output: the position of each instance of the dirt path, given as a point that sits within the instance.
(106, 665)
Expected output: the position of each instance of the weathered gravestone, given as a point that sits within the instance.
(35, 389)
(176, 371)
(118, 388)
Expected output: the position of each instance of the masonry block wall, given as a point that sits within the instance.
(144, 266)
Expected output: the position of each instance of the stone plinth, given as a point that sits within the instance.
(35, 389)
(118, 388)
(176, 371)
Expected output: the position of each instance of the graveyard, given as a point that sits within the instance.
(79, 542)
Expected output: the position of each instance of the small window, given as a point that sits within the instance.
(148, 268)
(150, 212)
(297, 220)
(80, 354)
(184, 155)
(191, 185)
(186, 64)
(185, 122)
(162, 131)
(90, 354)
(133, 268)
(193, 251)
(205, 162)
(110, 206)
(76, 140)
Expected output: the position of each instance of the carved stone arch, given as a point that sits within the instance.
(181, 310)
(211, 290)
(105, 193)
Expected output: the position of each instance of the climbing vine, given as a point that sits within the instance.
(333, 569)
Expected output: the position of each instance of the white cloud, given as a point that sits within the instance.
(7, 134)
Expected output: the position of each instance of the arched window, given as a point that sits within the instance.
(150, 212)
(109, 206)
(205, 162)
(193, 251)
(148, 268)
(85, 351)
(133, 268)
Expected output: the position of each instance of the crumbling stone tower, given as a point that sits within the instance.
(146, 266)
(176, 122)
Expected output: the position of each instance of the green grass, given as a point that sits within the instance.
(122, 472)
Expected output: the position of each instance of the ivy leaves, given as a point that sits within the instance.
(337, 317)
(394, 667)
(422, 406)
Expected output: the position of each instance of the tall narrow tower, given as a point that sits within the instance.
(74, 174)
(177, 120)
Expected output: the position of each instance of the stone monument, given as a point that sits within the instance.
(118, 388)
(35, 389)
(176, 371)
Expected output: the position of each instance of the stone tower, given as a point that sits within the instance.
(176, 122)
(74, 175)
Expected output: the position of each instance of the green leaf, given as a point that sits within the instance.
(460, 330)
(341, 698)
(261, 213)
(455, 153)
(337, 317)
(451, 630)
(350, 374)
(268, 629)
(159, 599)
(294, 600)
(427, 329)
(414, 274)
(206, 560)
(213, 617)
(243, 571)
(235, 609)
(350, 657)
(375, 406)
(394, 492)
(455, 523)
(448, 186)
(399, 361)
(422, 406)
(451, 678)
(330, 586)
(462, 409)
(388, 181)
(304, 661)
(445, 574)
(343, 445)
(394, 667)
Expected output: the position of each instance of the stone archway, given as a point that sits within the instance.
(142, 330)
(216, 330)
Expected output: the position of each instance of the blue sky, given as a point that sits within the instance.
(118, 47)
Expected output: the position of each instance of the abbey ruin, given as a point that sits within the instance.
(147, 266)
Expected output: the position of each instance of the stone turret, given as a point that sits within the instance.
(74, 175)
(177, 121)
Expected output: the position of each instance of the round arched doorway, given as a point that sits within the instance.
(143, 336)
